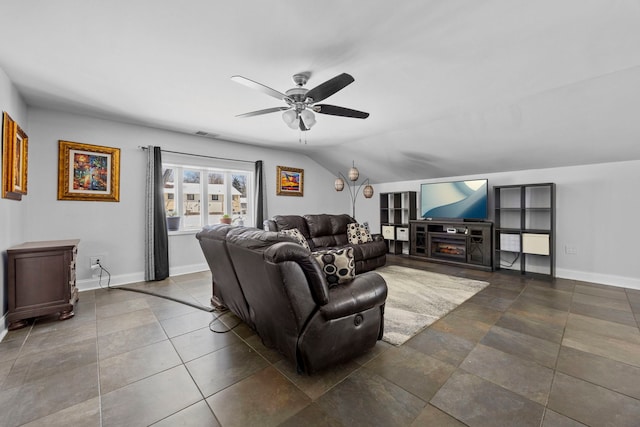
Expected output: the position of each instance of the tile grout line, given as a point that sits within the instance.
(555, 366)
(184, 364)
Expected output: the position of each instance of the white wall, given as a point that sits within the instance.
(12, 212)
(596, 211)
(115, 231)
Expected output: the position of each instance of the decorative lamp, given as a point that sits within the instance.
(368, 191)
(354, 174)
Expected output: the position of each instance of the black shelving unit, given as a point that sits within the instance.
(396, 210)
(525, 228)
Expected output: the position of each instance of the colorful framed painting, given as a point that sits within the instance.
(88, 172)
(20, 160)
(290, 181)
(14, 159)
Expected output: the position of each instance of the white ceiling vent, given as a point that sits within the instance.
(207, 134)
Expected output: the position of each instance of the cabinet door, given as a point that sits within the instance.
(41, 279)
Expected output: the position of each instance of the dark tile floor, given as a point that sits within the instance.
(521, 352)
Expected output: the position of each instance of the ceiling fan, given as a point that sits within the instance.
(301, 102)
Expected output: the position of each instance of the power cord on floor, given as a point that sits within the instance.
(142, 291)
(100, 275)
(507, 265)
(218, 318)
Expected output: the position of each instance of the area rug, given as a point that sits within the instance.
(417, 298)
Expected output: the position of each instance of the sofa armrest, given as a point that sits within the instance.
(289, 251)
(377, 237)
(364, 292)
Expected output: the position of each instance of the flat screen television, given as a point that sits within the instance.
(461, 200)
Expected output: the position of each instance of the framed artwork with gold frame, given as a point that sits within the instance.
(14, 159)
(88, 172)
(289, 181)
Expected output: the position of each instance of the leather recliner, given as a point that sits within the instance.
(279, 290)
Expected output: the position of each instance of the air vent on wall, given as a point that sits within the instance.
(206, 134)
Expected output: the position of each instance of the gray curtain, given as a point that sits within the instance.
(259, 199)
(156, 238)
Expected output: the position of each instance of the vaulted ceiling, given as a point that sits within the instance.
(455, 87)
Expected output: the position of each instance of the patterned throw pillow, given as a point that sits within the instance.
(297, 235)
(337, 264)
(358, 234)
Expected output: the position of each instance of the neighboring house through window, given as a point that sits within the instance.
(223, 190)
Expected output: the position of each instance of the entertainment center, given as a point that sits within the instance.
(466, 243)
(454, 225)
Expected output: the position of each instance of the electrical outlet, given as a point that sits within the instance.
(570, 250)
(93, 262)
(95, 259)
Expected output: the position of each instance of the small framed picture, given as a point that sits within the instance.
(88, 172)
(290, 181)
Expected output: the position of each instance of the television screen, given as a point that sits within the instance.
(454, 200)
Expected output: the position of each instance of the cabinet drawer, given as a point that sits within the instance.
(388, 232)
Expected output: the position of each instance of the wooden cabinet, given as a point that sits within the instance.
(396, 210)
(466, 244)
(41, 280)
(525, 228)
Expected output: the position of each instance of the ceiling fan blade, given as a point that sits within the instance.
(339, 111)
(265, 111)
(330, 87)
(302, 126)
(259, 86)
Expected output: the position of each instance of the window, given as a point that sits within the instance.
(202, 195)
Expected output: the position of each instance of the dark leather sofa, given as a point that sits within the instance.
(277, 288)
(324, 231)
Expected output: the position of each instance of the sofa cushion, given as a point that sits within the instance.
(338, 265)
(297, 236)
(358, 234)
(328, 230)
(287, 222)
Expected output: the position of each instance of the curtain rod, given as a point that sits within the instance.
(199, 155)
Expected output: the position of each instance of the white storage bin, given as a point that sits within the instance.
(402, 234)
(388, 232)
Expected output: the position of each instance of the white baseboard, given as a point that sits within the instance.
(603, 279)
(125, 279)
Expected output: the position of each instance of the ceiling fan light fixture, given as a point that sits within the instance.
(308, 118)
(290, 117)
